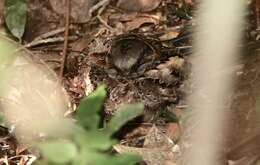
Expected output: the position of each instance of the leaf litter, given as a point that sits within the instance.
(141, 52)
(117, 46)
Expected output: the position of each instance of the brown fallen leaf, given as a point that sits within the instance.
(79, 8)
(122, 17)
(98, 46)
(23, 159)
(82, 43)
(138, 5)
(138, 22)
(163, 75)
(174, 63)
(173, 131)
(169, 34)
(156, 139)
(132, 21)
(157, 149)
(163, 72)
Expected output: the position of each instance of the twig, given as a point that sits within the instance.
(66, 34)
(101, 3)
(100, 7)
(257, 12)
(49, 41)
(102, 21)
(50, 34)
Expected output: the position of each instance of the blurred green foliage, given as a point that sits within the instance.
(7, 49)
(88, 144)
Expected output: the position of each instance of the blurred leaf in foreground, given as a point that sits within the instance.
(58, 152)
(89, 108)
(31, 95)
(123, 115)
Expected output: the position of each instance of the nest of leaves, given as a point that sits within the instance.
(140, 55)
(139, 51)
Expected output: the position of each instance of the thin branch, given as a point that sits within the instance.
(66, 34)
(100, 4)
(257, 10)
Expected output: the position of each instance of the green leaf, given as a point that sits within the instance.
(80, 159)
(99, 158)
(94, 140)
(126, 159)
(58, 152)
(169, 116)
(122, 116)
(15, 16)
(7, 56)
(41, 162)
(95, 158)
(87, 113)
(182, 14)
(7, 49)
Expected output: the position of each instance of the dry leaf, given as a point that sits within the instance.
(174, 63)
(173, 131)
(82, 43)
(98, 46)
(156, 139)
(79, 8)
(164, 71)
(158, 149)
(138, 5)
(138, 22)
(89, 87)
(169, 34)
(163, 75)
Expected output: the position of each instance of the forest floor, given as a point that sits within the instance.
(142, 53)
